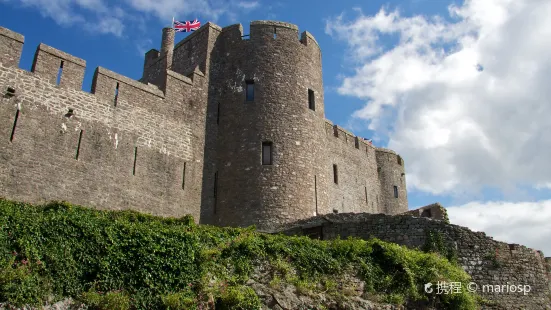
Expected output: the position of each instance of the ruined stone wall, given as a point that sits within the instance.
(434, 211)
(125, 145)
(357, 188)
(489, 262)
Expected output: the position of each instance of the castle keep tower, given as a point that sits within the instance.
(269, 93)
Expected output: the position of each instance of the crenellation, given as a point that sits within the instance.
(234, 32)
(262, 30)
(104, 83)
(307, 39)
(11, 46)
(194, 51)
(58, 67)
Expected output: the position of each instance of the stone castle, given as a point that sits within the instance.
(231, 129)
(224, 126)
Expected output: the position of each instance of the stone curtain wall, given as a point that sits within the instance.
(489, 262)
(358, 188)
(366, 175)
(106, 149)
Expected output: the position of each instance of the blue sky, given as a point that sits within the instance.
(406, 73)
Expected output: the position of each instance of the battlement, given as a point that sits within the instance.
(135, 142)
(268, 30)
(347, 138)
(67, 71)
(197, 33)
(11, 46)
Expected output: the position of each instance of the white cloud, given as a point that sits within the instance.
(92, 15)
(103, 17)
(525, 223)
(466, 101)
(248, 5)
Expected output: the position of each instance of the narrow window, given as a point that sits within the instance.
(275, 33)
(184, 176)
(215, 193)
(311, 100)
(365, 188)
(14, 125)
(59, 72)
(399, 160)
(335, 174)
(250, 90)
(218, 114)
(266, 153)
(78, 145)
(357, 142)
(135, 158)
(395, 191)
(316, 192)
(116, 94)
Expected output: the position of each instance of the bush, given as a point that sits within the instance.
(146, 262)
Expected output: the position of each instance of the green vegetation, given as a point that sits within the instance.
(493, 258)
(435, 244)
(127, 260)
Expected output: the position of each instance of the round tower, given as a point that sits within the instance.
(392, 177)
(269, 94)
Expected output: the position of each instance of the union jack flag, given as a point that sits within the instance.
(187, 26)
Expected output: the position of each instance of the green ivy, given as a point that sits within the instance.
(127, 260)
(435, 243)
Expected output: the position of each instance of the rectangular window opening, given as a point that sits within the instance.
(249, 90)
(59, 72)
(311, 100)
(218, 114)
(14, 125)
(78, 145)
(116, 94)
(335, 174)
(395, 191)
(316, 192)
(184, 176)
(135, 158)
(275, 32)
(365, 188)
(266, 153)
(357, 142)
(399, 160)
(215, 191)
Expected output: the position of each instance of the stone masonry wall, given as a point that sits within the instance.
(125, 146)
(489, 262)
(186, 125)
(357, 188)
(283, 69)
(392, 176)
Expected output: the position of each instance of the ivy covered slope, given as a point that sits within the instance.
(127, 260)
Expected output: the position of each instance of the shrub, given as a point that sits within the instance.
(146, 262)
